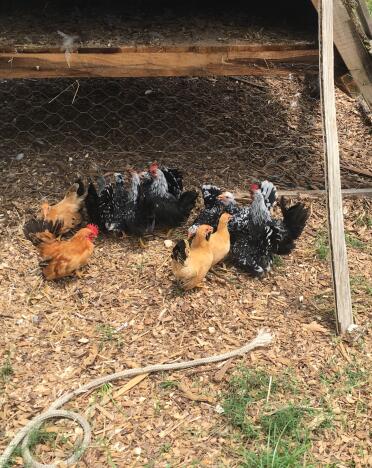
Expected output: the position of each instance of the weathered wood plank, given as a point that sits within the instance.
(365, 17)
(347, 193)
(144, 61)
(340, 271)
(351, 49)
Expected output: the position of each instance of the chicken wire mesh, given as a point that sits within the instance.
(233, 126)
(260, 122)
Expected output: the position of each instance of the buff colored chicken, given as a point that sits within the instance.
(219, 241)
(67, 210)
(61, 258)
(191, 263)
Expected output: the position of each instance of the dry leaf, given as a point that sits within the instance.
(317, 421)
(89, 360)
(220, 374)
(188, 393)
(315, 327)
(125, 388)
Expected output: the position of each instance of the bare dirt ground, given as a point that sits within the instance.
(126, 311)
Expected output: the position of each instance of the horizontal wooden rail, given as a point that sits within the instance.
(177, 60)
(358, 192)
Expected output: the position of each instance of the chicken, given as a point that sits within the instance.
(288, 229)
(138, 216)
(67, 210)
(258, 210)
(61, 258)
(99, 203)
(190, 264)
(163, 192)
(215, 203)
(219, 241)
(256, 236)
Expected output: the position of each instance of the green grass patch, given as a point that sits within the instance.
(278, 261)
(168, 384)
(365, 220)
(6, 370)
(108, 334)
(321, 245)
(104, 390)
(245, 388)
(40, 436)
(277, 456)
(286, 422)
(344, 380)
(354, 242)
(360, 282)
(277, 438)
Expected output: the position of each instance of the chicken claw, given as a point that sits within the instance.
(142, 244)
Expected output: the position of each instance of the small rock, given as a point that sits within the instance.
(168, 243)
(137, 451)
(19, 156)
(301, 298)
(218, 409)
(211, 330)
(148, 91)
(83, 340)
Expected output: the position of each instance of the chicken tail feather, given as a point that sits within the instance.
(294, 218)
(92, 205)
(80, 189)
(187, 202)
(41, 230)
(180, 251)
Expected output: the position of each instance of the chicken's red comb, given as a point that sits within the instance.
(254, 187)
(94, 229)
(153, 165)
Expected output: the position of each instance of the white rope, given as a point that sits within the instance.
(263, 338)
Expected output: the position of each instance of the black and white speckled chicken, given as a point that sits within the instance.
(256, 236)
(215, 203)
(99, 203)
(138, 215)
(163, 191)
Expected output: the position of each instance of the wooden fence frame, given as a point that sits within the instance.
(339, 265)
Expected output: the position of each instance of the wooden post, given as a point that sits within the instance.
(340, 271)
(351, 48)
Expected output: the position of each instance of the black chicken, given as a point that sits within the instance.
(99, 203)
(215, 203)
(256, 237)
(138, 215)
(163, 191)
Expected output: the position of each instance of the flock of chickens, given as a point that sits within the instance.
(156, 200)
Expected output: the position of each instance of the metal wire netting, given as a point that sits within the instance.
(162, 114)
(261, 122)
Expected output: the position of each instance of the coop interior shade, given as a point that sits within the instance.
(116, 23)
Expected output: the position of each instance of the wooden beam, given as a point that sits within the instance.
(347, 193)
(142, 61)
(365, 17)
(351, 48)
(340, 271)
